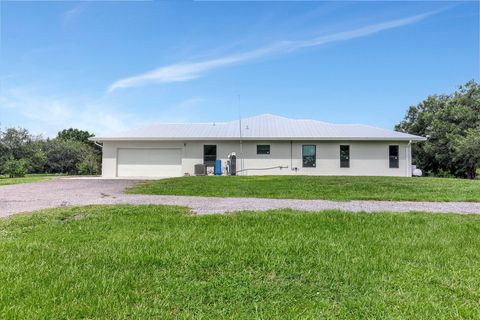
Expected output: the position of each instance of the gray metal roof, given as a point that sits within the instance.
(261, 127)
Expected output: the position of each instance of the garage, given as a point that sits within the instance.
(149, 162)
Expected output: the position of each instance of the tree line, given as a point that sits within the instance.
(451, 122)
(70, 152)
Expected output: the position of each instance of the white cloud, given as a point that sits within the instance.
(186, 71)
(73, 14)
(49, 114)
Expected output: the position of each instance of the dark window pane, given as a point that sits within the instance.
(309, 156)
(263, 149)
(209, 154)
(393, 156)
(344, 156)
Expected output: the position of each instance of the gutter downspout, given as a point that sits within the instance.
(408, 156)
(291, 155)
(101, 147)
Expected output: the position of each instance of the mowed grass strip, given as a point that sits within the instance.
(27, 179)
(317, 187)
(142, 262)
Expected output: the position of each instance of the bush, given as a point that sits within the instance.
(89, 165)
(15, 168)
(443, 174)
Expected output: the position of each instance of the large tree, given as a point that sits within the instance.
(452, 125)
(17, 144)
(91, 163)
(73, 134)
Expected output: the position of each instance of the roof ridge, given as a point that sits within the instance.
(262, 126)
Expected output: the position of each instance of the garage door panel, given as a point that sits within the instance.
(149, 162)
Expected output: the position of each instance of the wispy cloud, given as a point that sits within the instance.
(73, 14)
(46, 114)
(186, 71)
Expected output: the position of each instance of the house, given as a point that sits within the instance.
(264, 145)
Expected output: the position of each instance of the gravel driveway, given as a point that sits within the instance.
(73, 191)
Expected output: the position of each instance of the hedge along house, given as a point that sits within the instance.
(264, 145)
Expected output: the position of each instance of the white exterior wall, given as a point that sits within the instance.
(367, 158)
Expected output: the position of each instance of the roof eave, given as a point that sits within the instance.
(412, 138)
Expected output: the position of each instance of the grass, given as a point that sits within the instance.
(28, 178)
(117, 262)
(315, 187)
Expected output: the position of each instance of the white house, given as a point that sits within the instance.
(264, 145)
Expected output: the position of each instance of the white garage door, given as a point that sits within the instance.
(149, 162)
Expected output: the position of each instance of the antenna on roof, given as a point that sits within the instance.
(240, 132)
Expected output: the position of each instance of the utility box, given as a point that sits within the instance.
(200, 169)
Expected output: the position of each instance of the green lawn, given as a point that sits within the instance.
(311, 187)
(159, 262)
(28, 178)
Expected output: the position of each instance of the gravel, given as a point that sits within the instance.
(77, 191)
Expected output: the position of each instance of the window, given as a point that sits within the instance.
(209, 154)
(263, 149)
(344, 156)
(309, 156)
(393, 156)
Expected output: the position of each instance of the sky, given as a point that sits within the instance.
(107, 66)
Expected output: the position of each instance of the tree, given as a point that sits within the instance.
(75, 134)
(72, 134)
(71, 152)
(63, 156)
(17, 144)
(15, 168)
(468, 151)
(451, 123)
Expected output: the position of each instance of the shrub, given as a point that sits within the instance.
(443, 174)
(15, 168)
(89, 165)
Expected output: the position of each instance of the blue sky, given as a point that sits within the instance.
(109, 66)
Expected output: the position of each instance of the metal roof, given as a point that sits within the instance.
(261, 127)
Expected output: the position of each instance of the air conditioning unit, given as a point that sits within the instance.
(200, 169)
